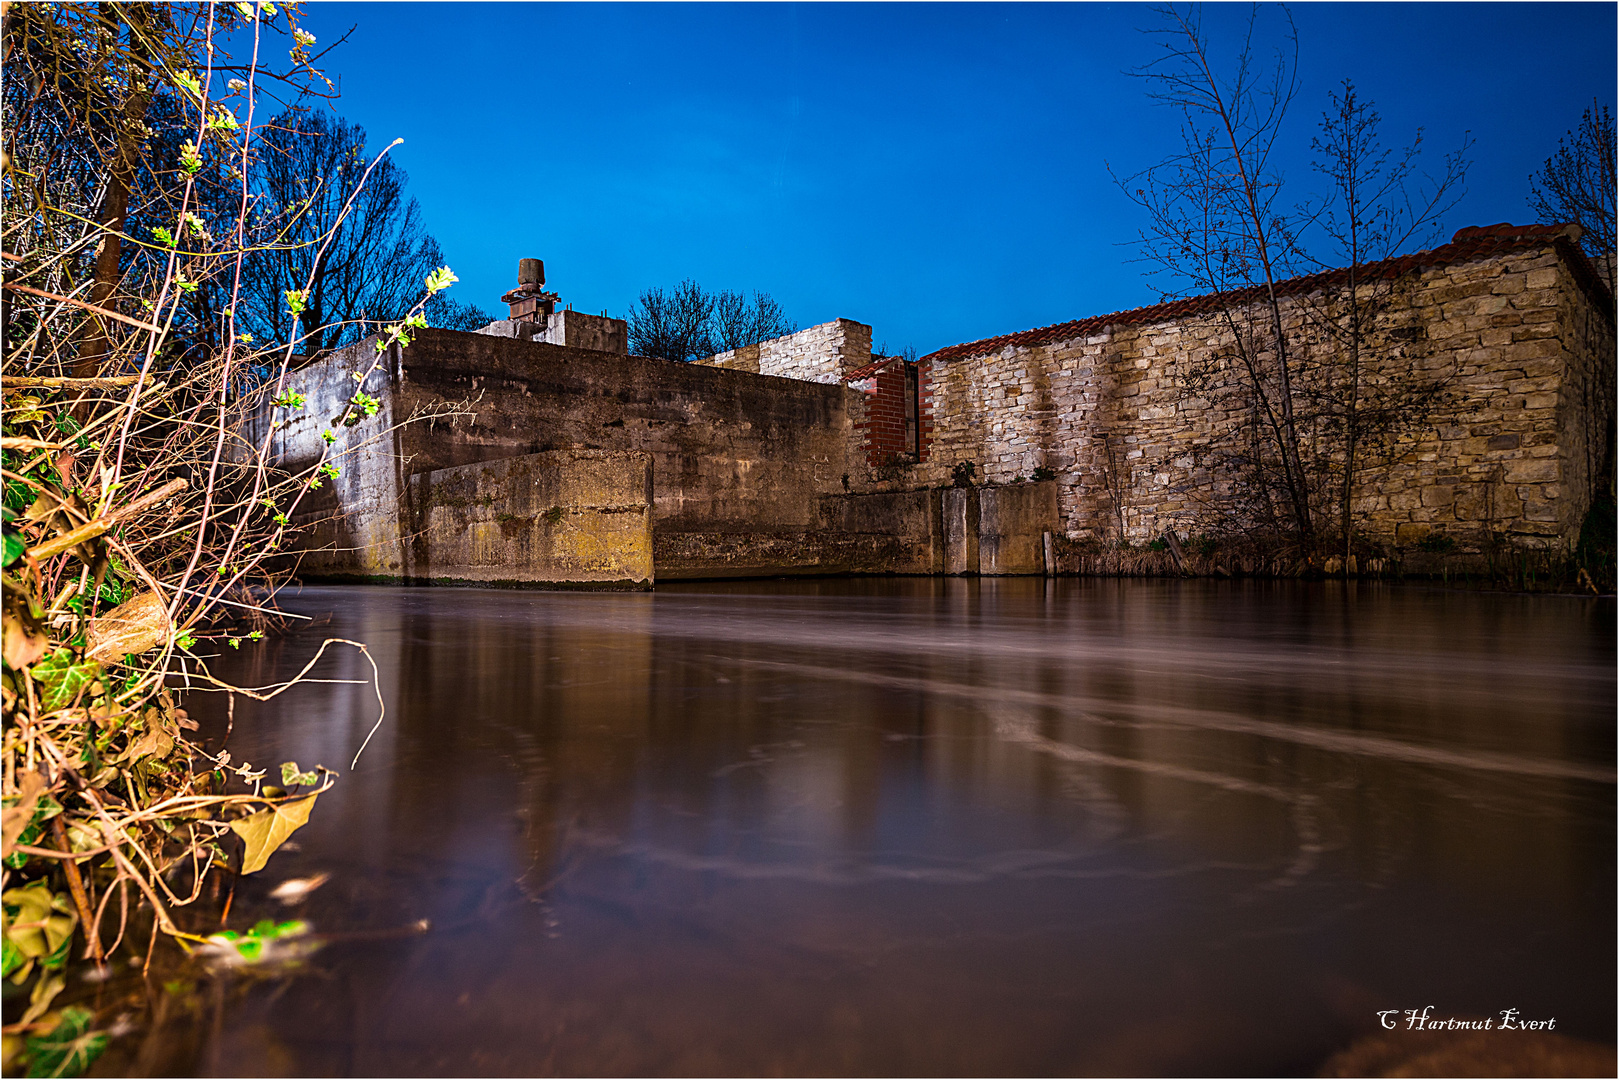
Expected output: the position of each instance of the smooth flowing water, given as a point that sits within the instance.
(995, 827)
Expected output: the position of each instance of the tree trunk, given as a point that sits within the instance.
(94, 344)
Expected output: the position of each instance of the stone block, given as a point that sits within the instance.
(1532, 470)
(1410, 534)
(1438, 495)
(1540, 510)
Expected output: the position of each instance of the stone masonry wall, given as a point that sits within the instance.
(822, 353)
(1523, 353)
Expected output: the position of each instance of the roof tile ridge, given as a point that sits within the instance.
(1469, 243)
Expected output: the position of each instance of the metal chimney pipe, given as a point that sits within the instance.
(530, 272)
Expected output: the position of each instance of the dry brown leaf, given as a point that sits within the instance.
(15, 818)
(26, 638)
(132, 627)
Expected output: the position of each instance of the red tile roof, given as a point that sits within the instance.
(866, 371)
(1472, 242)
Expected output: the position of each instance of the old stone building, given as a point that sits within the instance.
(538, 451)
(1510, 325)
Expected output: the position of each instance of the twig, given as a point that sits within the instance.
(53, 382)
(20, 442)
(74, 537)
(136, 323)
(75, 886)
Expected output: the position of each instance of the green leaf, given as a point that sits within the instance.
(441, 279)
(291, 775)
(69, 1048)
(15, 546)
(267, 830)
(60, 679)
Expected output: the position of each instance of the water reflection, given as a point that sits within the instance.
(996, 827)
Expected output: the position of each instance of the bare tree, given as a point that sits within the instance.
(688, 322)
(1577, 185)
(672, 325)
(450, 314)
(1214, 227)
(362, 258)
(1378, 205)
(738, 321)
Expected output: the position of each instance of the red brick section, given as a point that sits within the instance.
(884, 421)
(1472, 242)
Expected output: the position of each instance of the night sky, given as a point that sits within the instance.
(937, 171)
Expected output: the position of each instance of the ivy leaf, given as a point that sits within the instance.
(291, 775)
(60, 679)
(267, 830)
(15, 546)
(67, 1049)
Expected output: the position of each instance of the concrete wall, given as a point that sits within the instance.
(822, 353)
(579, 517)
(1012, 524)
(350, 525)
(731, 453)
(573, 329)
(1523, 353)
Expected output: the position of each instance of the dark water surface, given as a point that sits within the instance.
(934, 827)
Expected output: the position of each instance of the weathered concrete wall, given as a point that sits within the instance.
(350, 525)
(731, 453)
(961, 523)
(1521, 350)
(1012, 524)
(573, 329)
(998, 530)
(914, 518)
(580, 517)
(883, 533)
(822, 353)
(577, 330)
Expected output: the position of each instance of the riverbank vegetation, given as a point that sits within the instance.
(142, 529)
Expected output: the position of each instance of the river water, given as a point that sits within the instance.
(989, 827)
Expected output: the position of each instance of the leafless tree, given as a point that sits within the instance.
(739, 321)
(1215, 226)
(688, 322)
(363, 263)
(1371, 396)
(1577, 185)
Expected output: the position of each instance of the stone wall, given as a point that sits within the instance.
(732, 454)
(1518, 345)
(576, 517)
(822, 353)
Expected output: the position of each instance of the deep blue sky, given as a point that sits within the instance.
(937, 171)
